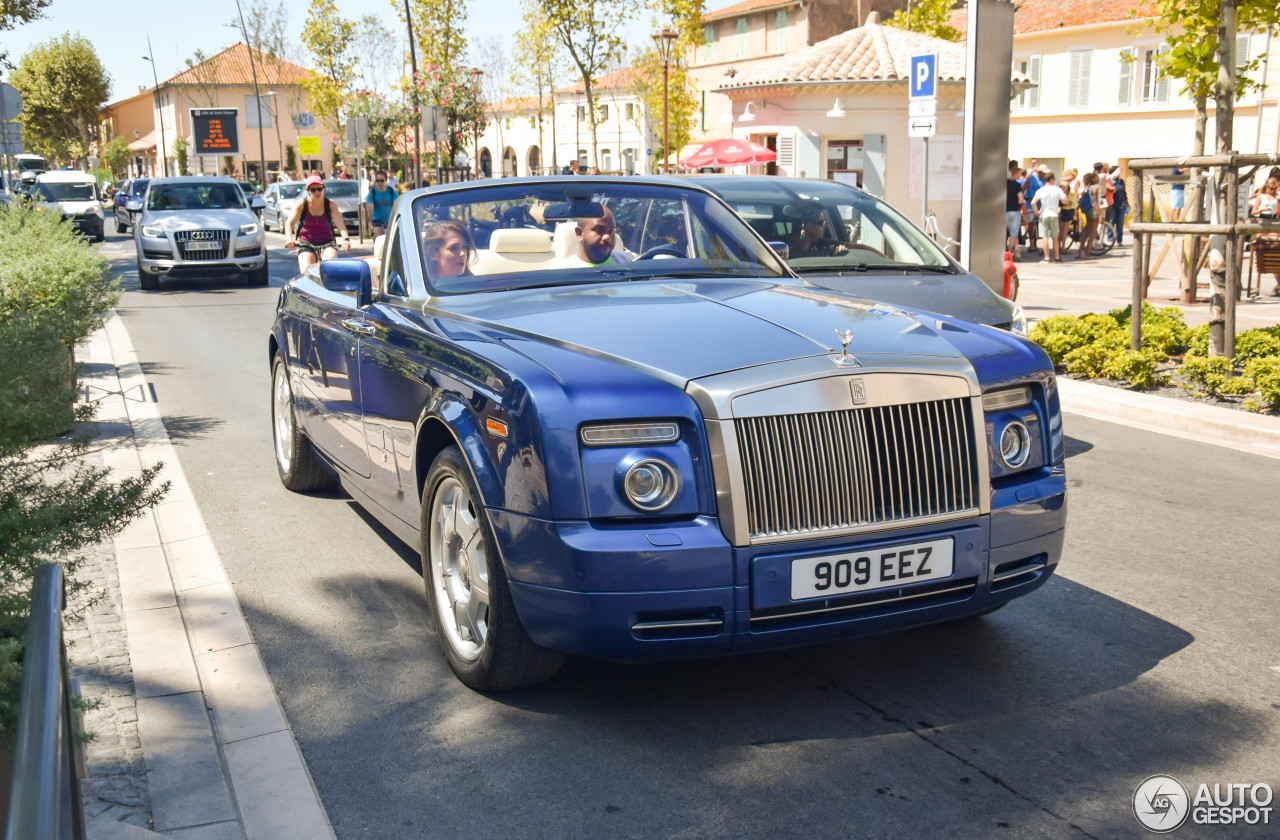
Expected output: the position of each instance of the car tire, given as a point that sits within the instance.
(260, 276)
(147, 282)
(120, 228)
(299, 467)
(475, 619)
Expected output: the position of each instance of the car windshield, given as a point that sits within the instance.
(207, 196)
(830, 227)
(563, 233)
(290, 190)
(64, 192)
(341, 189)
(139, 186)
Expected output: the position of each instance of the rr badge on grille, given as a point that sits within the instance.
(859, 389)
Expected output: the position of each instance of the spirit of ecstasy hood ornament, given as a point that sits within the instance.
(844, 359)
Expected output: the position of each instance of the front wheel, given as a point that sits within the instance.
(147, 282)
(475, 619)
(260, 276)
(299, 468)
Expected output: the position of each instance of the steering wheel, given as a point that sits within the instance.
(662, 250)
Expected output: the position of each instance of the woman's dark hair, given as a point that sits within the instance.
(435, 233)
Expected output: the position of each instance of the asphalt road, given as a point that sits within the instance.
(1155, 650)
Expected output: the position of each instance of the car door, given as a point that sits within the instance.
(326, 335)
(269, 214)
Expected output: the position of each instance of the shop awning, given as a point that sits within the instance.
(146, 141)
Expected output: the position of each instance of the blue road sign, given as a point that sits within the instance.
(923, 83)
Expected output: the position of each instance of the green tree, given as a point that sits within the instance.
(536, 63)
(327, 36)
(683, 100)
(458, 94)
(180, 150)
(63, 86)
(115, 154)
(591, 34)
(379, 65)
(388, 121)
(439, 30)
(14, 13)
(928, 17)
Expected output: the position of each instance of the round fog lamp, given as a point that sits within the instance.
(1015, 444)
(650, 484)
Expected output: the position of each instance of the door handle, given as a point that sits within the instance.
(358, 327)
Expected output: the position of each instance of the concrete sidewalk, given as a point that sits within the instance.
(221, 762)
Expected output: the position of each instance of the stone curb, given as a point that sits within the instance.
(1259, 434)
(208, 717)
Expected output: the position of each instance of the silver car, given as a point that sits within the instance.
(346, 194)
(197, 226)
(281, 198)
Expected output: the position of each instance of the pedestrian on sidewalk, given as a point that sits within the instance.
(1047, 202)
(1089, 206)
(1034, 181)
(1013, 201)
(380, 198)
(1067, 212)
(1118, 206)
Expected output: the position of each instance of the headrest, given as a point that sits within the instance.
(379, 242)
(520, 241)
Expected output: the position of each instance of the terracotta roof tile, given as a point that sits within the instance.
(231, 67)
(1047, 15)
(868, 53)
(609, 81)
(747, 6)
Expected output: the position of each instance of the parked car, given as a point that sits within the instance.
(280, 200)
(131, 190)
(197, 226)
(346, 194)
(692, 453)
(866, 247)
(252, 197)
(75, 195)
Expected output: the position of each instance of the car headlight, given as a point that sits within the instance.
(651, 484)
(1018, 324)
(1015, 444)
(153, 231)
(1006, 399)
(249, 229)
(95, 208)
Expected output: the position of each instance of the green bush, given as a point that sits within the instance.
(1207, 375)
(1164, 330)
(1258, 343)
(1091, 359)
(1265, 375)
(1138, 368)
(1059, 335)
(1198, 341)
(54, 291)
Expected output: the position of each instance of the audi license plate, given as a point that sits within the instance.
(203, 246)
(879, 568)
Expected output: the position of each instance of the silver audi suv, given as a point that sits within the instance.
(197, 226)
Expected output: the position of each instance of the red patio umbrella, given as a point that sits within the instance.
(729, 152)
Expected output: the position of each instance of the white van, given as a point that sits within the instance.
(75, 195)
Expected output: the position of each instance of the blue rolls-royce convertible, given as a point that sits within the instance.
(616, 425)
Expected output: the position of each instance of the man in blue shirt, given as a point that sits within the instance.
(380, 199)
(1035, 180)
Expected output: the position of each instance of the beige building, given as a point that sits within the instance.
(225, 80)
(1101, 96)
(736, 38)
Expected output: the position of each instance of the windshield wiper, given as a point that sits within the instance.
(831, 269)
(932, 269)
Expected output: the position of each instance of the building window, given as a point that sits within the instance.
(604, 113)
(780, 28)
(1078, 78)
(1029, 99)
(251, 112)
(506, 122)
(582, 158)
(708, 38)
(1242, 51)
(606, 160)
(582, 113)
(704, 110)
(631, 112)
(1125, 94)
(1155, 84)
(742, 37)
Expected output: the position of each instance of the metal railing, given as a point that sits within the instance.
(44, 800)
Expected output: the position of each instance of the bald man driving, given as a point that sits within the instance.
(595, 245)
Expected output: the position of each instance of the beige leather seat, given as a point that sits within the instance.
(514, 249)
(375, 262)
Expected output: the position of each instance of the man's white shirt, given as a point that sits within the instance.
(574, 261)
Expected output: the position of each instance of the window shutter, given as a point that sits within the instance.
(1126, 76)
(1033, 95)
(1162, 81)
(742, 37)
(780, 24)
(786, 153)
(1242, 50)
(1078, 80)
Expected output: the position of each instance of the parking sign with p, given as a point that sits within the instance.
(923, 83)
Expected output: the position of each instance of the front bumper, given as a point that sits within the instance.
(160, 256)
(90, 224)
(667, 591)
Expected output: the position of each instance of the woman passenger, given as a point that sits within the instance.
(448, 249)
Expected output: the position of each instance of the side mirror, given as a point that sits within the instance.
(256, 202)
(783, 249)
(133, 205)
(348, 274)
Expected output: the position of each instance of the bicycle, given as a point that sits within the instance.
(1106, 238)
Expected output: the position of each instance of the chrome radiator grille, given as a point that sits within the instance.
(184, 237)
(806, 474)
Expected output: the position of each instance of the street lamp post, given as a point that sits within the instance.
(164, 159)
(476, 73)
(665, 40)
(257, 98)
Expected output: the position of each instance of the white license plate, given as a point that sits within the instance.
(878, 568)
(203, 246)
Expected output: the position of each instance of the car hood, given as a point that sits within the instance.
(686, 329)
(192, 219)
(346, 205)
(960, 295)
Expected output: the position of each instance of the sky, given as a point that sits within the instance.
(178, 28)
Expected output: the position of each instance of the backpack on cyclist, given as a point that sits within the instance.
(328, 217)
(1086, 201)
